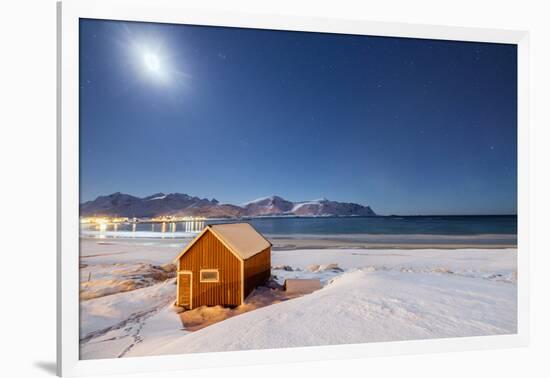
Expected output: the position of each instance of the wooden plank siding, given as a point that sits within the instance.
(257, 270)
(209, 253)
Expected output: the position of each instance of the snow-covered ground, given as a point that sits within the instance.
(372, 295)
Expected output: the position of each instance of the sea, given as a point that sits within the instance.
(487, 229)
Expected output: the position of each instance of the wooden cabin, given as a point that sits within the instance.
(222, 266)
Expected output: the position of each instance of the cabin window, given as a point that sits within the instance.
(210, 275)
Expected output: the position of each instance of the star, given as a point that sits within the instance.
(477, 55)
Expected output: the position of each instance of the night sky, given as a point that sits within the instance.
(406, 126)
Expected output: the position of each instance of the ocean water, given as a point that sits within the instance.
(405, 225)
(348, 227)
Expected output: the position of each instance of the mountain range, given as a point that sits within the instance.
(177, 204)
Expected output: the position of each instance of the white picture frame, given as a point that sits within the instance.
(169, 11)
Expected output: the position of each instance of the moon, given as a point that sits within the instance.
(152, 63)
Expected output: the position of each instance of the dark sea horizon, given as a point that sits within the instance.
(386, 225)
(447, 229)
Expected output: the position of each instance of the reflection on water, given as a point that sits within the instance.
(101, 227)
(164, 229)
(193, 226)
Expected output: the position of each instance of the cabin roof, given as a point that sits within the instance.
(241, 238)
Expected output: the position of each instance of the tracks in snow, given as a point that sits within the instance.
(131, 328)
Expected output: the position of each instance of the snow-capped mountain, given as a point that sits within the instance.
(125, 205)
(326, 207)
(158, 204)
(273, 205)
(276, 205)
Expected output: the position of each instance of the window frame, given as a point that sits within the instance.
(217, 271)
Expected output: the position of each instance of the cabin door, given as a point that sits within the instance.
(184, 289)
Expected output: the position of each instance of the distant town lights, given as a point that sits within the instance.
(160, 219)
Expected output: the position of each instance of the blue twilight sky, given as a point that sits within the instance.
(407, 126)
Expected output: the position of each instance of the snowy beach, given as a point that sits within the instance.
(367, 295)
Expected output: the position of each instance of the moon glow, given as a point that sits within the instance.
(152, 63)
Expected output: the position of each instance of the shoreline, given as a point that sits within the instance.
(358, 241)
(399, 246)
(413, 241)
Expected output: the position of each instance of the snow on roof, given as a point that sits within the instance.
(241, 238)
